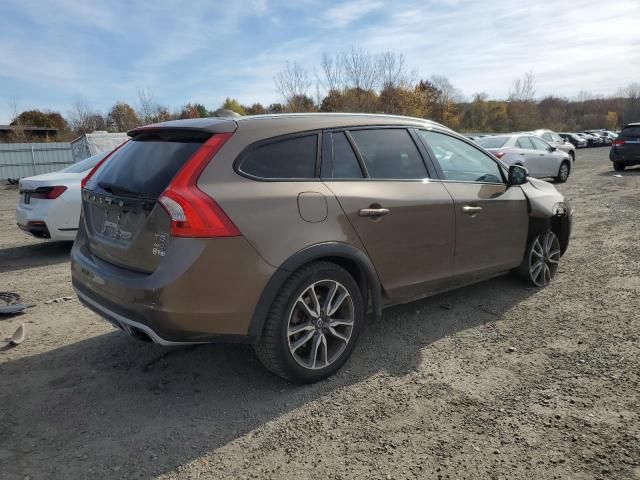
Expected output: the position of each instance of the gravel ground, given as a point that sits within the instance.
(495, 380)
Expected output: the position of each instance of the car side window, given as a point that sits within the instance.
(341, 162)
(291, 158)
(460, 161)
(389, 153)
(524, 142)
(539, 144)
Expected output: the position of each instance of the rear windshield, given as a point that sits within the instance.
(145, 166)
(492, 142)
(631, 132)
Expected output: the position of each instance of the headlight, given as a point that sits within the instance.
(561, 208)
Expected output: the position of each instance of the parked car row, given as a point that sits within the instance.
(590, 138)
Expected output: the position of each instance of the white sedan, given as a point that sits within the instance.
(49, 206)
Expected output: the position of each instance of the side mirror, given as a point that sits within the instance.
(552, 148)
(517, 175)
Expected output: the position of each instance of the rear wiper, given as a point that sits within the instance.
(119, 190)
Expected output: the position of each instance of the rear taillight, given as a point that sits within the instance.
(499, 155)
(84, 181)
(618, 143)
(48, 193)
(194, 213)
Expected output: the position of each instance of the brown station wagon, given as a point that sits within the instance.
(284, 230)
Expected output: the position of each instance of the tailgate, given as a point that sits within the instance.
(125, 224)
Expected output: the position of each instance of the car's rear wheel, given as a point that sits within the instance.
(313, 324)
(618, 167)
(540, 263)
(563, 172)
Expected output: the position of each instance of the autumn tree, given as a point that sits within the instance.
(122, 117)
(233, 105)
(193, 110)
(149, 109)
(255, 109)
(522, 108)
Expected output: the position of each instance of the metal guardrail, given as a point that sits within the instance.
(18, 160)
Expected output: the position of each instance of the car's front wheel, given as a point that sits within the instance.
(563, 172)
(540, 263)
(313, 324)
(618, 167)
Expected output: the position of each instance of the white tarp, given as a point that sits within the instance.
(91, 143)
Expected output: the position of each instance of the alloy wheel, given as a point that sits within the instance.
(564, 172)
(320, 324)
(543, 258)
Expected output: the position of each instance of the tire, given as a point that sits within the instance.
(540, 263)
(618, 167)
(563, 172)
(320, 346)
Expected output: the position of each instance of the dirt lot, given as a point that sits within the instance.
(496, 380)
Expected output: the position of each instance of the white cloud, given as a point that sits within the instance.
(349, 12)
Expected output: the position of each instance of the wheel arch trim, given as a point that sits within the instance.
(319, 251)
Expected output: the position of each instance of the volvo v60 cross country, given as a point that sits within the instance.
(283, 230)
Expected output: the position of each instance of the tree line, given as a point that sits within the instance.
(357, 80)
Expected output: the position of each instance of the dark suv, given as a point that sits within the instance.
(625, 149)
(283, 230)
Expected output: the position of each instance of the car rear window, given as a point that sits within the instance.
(633, 132)
(145, 165)
(85, 165)
(389, 154)
(492, 142)
(524, 142)
(291, 158)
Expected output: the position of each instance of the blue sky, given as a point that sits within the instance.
(54, 51)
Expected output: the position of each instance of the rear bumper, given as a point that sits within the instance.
(623, 158)
(47, 220)
(133, 328)
(205, 290)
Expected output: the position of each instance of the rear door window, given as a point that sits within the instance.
(389, 153)
(291, 158)
(341, 161)
(145, 166)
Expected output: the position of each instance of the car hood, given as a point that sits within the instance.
(542, 197)
(51, 179)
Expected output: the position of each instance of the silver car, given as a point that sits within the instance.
(555, 140)
(537, 156)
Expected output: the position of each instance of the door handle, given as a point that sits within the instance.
(521, 153)
(373, 212)
(469, 210)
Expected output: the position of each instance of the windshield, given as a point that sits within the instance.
(492, 142)
(84, 165)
